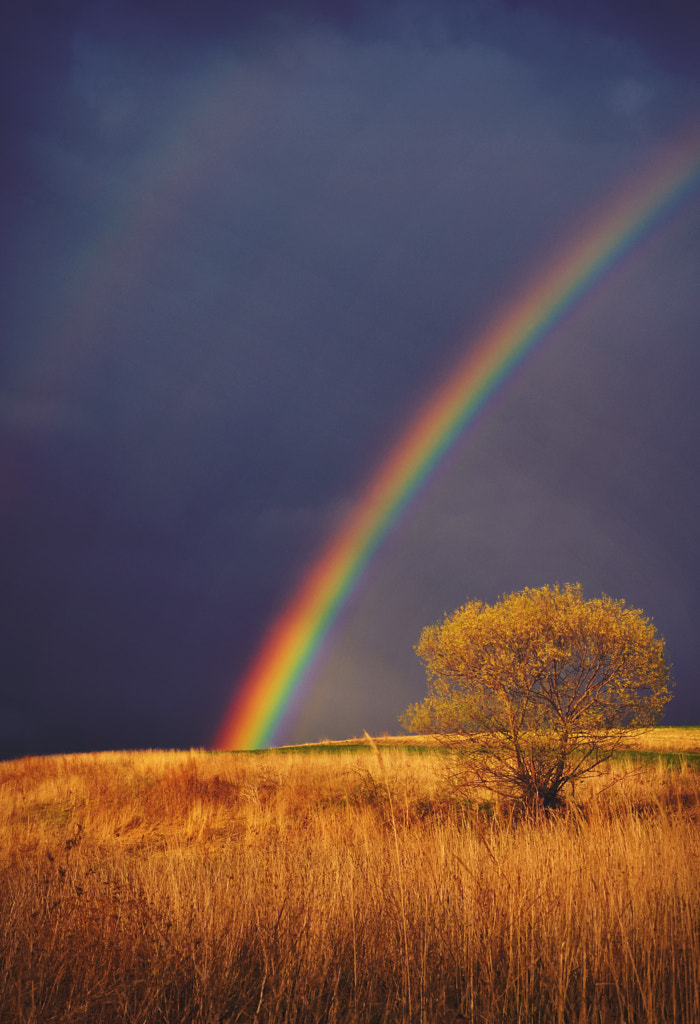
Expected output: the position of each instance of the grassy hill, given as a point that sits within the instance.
(349, 886)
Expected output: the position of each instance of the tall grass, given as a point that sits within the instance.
(193, 888)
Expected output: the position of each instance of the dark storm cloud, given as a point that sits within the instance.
(246, 242)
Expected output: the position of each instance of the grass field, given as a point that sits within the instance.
(351, 886)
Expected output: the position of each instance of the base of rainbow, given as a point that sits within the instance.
(292, 645)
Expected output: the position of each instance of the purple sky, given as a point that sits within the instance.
(239, 250)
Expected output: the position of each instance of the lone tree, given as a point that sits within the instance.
(539, 689)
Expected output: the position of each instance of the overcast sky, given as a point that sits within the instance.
(241, 244)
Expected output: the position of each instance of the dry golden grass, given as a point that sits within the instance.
(669, 739)
(664, 739)
(194, 888)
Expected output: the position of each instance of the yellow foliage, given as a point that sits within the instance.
(541, 686)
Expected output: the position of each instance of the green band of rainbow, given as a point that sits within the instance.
(292, 643)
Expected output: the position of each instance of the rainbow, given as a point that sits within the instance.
(293, 642)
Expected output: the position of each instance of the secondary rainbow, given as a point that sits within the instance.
(293, 642)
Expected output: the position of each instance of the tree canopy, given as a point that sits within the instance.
(540, 688)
